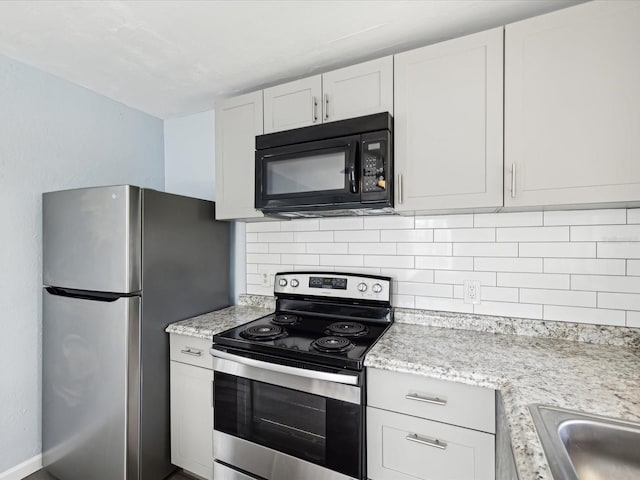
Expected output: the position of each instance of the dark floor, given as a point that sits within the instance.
(42, 475)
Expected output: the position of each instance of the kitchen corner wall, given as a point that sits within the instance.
(53, 135)
(574, 266)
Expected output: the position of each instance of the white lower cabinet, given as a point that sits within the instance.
(191, 405)
(428, 429)
(405, 447)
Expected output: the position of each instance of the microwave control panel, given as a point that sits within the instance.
(375, 160)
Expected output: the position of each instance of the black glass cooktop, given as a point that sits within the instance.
(336, 342)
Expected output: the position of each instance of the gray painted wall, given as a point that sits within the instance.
(53, 135)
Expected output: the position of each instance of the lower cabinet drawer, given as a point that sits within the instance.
(402, 447)
(191, 350)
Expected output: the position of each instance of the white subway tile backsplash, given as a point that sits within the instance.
(533, 280)
(300, 259)
(391, 221)
(406, 236)
(285, 247)
(263, 227)
(606, 233)
(272, 237)
(485, 249)
(603, 283)
(444, 221)
(558, 297)
(301, 237)
(459, 277)
(586, 217)
(633, 319)
(519, 219)
(533, 234)
(559, 249)
(584, 266)
(618, 249)
(327, 247)
(391, 261)
(464, 235)
(301, 225)
(580, 266)
(504, 309)
(445, 263)
(502, 264)
(424, 249)
(357, 236)
(584, 315)
(619, 301)
(373, 248)
(342, 260)
(443, 304)
(342, 223)
(425, 289)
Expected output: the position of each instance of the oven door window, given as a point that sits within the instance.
(320, 430)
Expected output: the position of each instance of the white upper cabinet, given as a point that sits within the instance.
(572, 103)
(448, 125)
(293, 105)
(238, 121)
(358, 90)
(349, 92)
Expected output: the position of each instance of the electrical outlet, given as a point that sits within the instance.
(267, 279)
(471, 291)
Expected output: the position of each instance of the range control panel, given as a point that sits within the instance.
(334, 285)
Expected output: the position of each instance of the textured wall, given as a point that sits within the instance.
(53, 135)
(579, 266)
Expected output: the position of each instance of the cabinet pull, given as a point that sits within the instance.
(326, 106)
(314, 105)
(419, 398)
(513, 180)
(191, 351)
(413, 437)
(400, 188)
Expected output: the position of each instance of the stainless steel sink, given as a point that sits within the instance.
(581, 446)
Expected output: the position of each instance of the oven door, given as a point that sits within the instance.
(314, 174)
(277, 421)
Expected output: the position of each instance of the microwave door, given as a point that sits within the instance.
(315, 174)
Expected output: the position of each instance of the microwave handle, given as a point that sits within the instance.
(353, 180)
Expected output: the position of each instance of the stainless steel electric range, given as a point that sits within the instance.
(289, 387)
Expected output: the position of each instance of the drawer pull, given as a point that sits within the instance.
(433, 400)
(191, 351)
(413, 437)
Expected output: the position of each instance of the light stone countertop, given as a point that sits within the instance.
(600, 379)
(527, 362)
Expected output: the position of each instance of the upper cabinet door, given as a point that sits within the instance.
(572, 99)
(238, 121)
(293, 105)
(448, 125)
(358, 90)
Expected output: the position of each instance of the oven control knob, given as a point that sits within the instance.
(362, 287)
(377, 288)
(294, 283)
(282, 282)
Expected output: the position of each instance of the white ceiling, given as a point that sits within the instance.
(172, 58)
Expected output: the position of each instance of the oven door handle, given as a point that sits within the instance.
(345, 379)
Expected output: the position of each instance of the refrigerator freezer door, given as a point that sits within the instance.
(91, 239)
(89, 394)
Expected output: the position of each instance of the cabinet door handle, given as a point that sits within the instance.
(326, 106)
(420, 398)
(191, 351)
(513, 180)
(314, 106)
(400, 188)
(414, 437)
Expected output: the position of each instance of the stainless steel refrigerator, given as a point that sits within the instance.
(119, 264)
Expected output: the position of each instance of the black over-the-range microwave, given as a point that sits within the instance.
(337, 168)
